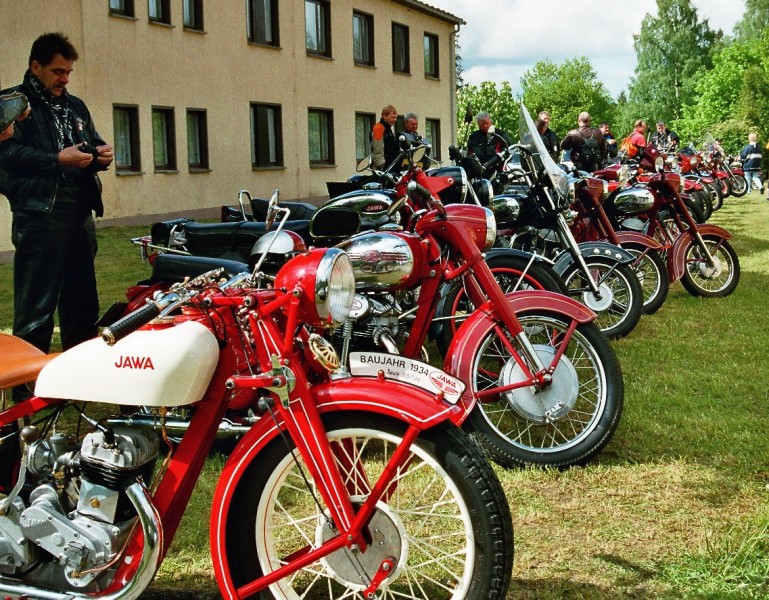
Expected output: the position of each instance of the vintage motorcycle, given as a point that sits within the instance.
(549, 385)
(534, 215)
(698, 254)
(345, 486)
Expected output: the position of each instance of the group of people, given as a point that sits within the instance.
(385, 148)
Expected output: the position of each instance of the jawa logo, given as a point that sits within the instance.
(135, 362)
(446, 384)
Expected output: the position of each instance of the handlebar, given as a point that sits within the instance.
(130, 323)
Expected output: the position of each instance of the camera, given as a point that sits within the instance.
(86, 148)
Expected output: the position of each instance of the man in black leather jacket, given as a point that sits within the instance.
(486, 141)
(577, 140)
(48, 172)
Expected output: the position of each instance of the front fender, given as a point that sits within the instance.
(639, 239)
(677, 263)
(592, 249)
(461, 353)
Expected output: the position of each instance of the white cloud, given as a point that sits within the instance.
(505, 38)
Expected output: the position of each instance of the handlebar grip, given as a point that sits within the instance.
(419, 190)
(130, 323)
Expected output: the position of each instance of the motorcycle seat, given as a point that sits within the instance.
(299, 210)
(232, 241)
(175, 267)
(22, 361)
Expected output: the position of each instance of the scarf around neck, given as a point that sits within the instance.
(59, 107)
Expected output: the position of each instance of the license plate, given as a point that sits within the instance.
(407, 370)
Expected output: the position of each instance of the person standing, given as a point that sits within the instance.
(751, 156)
(549, 138)
(633, 144)
(48, 171)
(664, 139)
(586, 145)
(486, 141)
(611, 142)
(384, 145)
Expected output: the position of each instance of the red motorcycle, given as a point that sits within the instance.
(548, 384)
(344, 486)
(698, 254)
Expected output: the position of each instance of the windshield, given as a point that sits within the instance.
(542, 162)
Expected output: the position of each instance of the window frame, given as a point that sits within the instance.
(435, 55)
(127, 10)
(324, 6)
(368, 120)
(406, 68)
(201, 141)
(169, 142)
(134, 166)
(198, 23)
(433, 127)
(165, 11)
(257, 136)
(369, 20)
(328, 157)
(251, 25)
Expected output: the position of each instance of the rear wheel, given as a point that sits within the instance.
(619, 302)
(716, 280)
(444, 523)
(564, 424)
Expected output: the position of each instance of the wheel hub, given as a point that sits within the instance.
(709, 272)
(596, 304)
(549, 404)
(355, 569)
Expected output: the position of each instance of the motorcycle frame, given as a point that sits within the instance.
(298, 414)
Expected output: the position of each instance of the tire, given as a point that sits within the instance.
(738, 185)
(701, 280)
(652, 273)
(447, 524)
(621, 303)
(564, 425)
(507, 271)
(715, 195)
(703, 200)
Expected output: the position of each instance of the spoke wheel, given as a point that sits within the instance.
(651, 270)
(444, 523)
(564, 424)
(717, 280)
(738, 185)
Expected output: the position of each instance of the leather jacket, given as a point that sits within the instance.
(29, 171)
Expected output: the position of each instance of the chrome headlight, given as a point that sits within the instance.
(491, 229)
(605, 188)
(334, 286)
(693, 161)
(659, 164)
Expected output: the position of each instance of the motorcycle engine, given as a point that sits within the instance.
(376, 322)
(77, 517)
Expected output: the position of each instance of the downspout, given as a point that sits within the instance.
(453, 46)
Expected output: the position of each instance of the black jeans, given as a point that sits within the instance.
(54, 266)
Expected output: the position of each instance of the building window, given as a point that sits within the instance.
(317, 27)
(320, 125)
(159, 11)
(163, 139)
(192, 14)
(125, 121)
(263, 22)
(197, 140)
(266, 136)
(433, 134)
(363, 39)
(401, 59)
(364, 122)
(123, 8)
(431, 55)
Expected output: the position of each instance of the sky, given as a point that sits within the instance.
(505, 38)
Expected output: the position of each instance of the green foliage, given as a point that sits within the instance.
(671, 48)
(565, 90)
(497, 100)
(754, 22)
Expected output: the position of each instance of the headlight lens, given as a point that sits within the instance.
(491, 229)
(334, 286)
(659, 164)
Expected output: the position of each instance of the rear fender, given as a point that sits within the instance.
(590, 250)
(677, 264)
(460, 356)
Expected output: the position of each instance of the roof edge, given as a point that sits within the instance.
(431, 10)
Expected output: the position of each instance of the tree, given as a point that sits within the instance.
(671, 48)
(754, 21)
(565, 90)
(487, 97)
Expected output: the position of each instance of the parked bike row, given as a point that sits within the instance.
(305, 334)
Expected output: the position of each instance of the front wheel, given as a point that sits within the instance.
(738, 185)
(652, 272)
(619, 301)
(444, 522)
(711, 281)
(566, 423)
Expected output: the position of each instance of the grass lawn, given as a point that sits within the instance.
(677, 505)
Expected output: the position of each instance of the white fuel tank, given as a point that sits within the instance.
(152, 367)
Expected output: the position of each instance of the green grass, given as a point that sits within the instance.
(677, 505)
